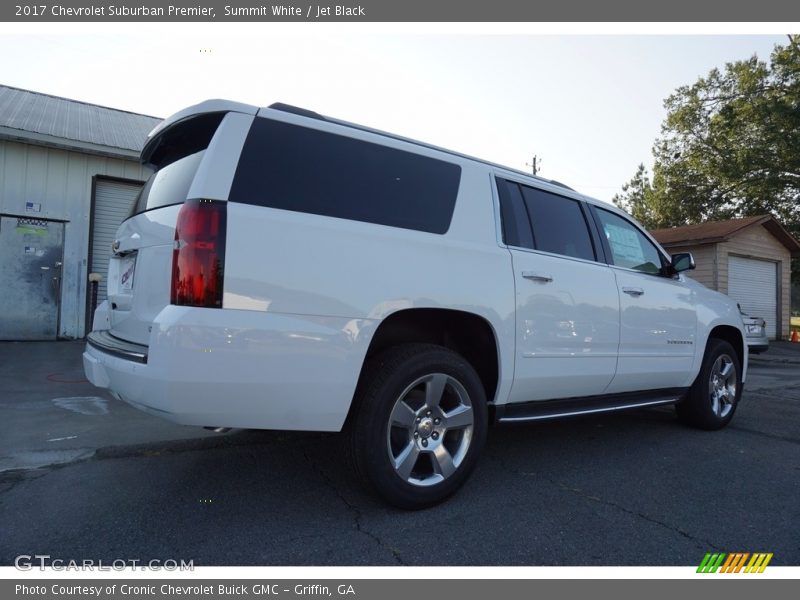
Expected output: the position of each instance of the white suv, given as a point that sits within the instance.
(285, 270)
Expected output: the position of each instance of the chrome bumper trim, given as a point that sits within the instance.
(105, 342)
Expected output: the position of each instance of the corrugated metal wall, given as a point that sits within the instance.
(48, 183)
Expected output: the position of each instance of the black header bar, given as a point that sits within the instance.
(458, 11)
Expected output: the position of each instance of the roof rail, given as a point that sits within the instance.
(296, 110)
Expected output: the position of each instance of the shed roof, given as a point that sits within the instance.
(54, 121)
(720, 231)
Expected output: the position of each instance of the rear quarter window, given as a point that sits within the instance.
(296, 168)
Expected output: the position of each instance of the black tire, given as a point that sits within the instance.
(401, 384)
(711, 401)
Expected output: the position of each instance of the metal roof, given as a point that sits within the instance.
(50, 120)
(720, 231)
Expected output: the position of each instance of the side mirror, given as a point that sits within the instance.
(683, 261)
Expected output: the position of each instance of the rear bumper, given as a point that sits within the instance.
(109, 344)
(236, 368)
(757, 346)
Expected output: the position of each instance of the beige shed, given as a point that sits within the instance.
(748, 259)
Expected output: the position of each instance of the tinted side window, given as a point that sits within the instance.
(629, 247)
(559, 225)
(516, 226)
(296, 168)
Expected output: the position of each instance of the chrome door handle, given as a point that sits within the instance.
(537, 276)
(632, 291)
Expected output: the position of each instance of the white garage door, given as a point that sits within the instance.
(112, 205)
(754, 285)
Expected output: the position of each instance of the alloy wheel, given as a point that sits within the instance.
(430, 429)
(722, 386)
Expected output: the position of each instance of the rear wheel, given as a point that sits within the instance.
(420, 424)
(714, 396)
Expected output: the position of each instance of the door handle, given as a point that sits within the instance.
(56, 283)
(537, 276)
(632, 291)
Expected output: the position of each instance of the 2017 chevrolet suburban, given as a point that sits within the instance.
(285, 270)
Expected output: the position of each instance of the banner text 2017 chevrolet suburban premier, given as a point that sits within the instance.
(285, 270)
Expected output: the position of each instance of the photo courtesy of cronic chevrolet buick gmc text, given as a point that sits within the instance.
(286, 270)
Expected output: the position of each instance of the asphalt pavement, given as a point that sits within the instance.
(50, 414)
(626, 489)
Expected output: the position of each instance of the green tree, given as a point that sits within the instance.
(729, 147)
(637, 197)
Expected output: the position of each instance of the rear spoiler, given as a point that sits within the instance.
(209, 107)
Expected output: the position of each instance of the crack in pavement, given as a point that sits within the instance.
(11, 479)
(701, 544)
(145, 450)
(7, 486)
(771, 436)
(37, 459)
(770, 391)
(357, 513)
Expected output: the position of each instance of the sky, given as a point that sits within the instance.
(589, 106)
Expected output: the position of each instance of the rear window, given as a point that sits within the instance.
(169, 185)
(176, 154)
(300, 169)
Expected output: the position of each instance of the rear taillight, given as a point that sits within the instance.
(198, 259)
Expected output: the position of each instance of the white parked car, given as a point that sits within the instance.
(285, 270)
(755, 329)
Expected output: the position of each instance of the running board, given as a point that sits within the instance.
(571, 407)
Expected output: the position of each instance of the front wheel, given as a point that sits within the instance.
(420, 424)
(714, 396)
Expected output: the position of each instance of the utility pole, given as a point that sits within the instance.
(535, 164)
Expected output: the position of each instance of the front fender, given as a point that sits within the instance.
(717, 310)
